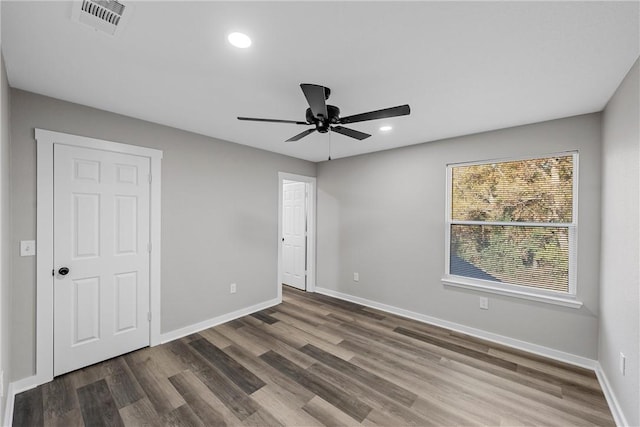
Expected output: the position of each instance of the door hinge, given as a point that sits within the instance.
(149, 316)
(150, 179)
(149, 247)
(53, 272)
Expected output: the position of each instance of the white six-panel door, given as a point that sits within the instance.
(294, 248)
(101, 234)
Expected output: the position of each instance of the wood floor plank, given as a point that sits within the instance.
(165, 360)
(326, 414)
(312, 339)
(282, 410)
(568, 407)
(448, 413)
(403, 349)
(510, 353)
(266, 318)
(97, 405)
(238, 336)
(186, 356)
(216, 338)
(28, 408)
(182, 416)
(367, 378)
(559, 379)
(306, 304)
(158, 389)
(123, 385)
(140, 413)
(390, 342)
(91, 374)
(262, 335)
(350, 405)
(71, 418)
(191, 337)
(237, 373)
(585, 396)
(531, 365)
(514, 395)
(59, 397)
(202, 401)
(286, 335)
(238, 402)
(445, 394)
(397, 414)
(301, 313)
(458, 349)
(262, 418)
(290, 390)
(309, 328)
(315, 360)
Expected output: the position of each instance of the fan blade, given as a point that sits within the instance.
(401, 110)
(253, 119)
(315, 95)
(300, 135)
(350, 132)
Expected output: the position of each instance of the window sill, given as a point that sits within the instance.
(549, 299)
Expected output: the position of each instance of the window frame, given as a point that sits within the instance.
(519, 291)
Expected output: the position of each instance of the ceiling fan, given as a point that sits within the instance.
(327, 118)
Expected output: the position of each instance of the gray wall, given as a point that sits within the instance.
(620, 258)
(5, 291)
(383, 215)
(219, 214)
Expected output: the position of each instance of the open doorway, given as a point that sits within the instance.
(296, 231)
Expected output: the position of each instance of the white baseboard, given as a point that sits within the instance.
(13, 389)
(614, 406)
(215, 321)
(478, 333)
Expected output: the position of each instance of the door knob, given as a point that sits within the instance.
(63, 271)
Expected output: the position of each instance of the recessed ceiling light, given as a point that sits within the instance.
(239, 40)
(385, 128)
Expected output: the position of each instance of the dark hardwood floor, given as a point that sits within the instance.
(315, 360)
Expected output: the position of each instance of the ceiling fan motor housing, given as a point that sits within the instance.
(327, 118)
(322, 125)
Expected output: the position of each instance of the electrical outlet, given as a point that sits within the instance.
(623, 361)
(356, 277)
(232, 288)
(484, 303)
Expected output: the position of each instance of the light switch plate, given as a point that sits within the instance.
(27, 247)
(484, 303)
(356, 277)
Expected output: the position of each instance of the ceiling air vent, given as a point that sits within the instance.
(101, 15)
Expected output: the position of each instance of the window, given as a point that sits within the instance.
(511, 225)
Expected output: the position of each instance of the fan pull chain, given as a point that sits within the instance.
(329, 145)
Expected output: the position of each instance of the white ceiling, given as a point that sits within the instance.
(464, 67)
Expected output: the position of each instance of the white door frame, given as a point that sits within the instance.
(44, 234)
(311, 228)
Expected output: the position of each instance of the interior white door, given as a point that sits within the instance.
(101, 234)
(294, 224)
